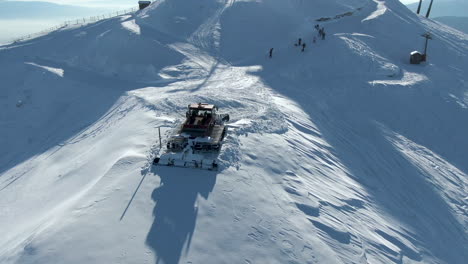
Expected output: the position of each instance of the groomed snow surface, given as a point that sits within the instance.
(343, 153)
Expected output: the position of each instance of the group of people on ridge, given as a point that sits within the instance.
(321, 31)
(300, 43)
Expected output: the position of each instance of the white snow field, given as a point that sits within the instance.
(343, 153)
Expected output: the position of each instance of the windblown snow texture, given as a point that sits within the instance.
(343, 153)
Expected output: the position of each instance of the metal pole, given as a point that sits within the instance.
(419, 7)
(429, 10)
(160, 144)
(425, 47)
(428, 36)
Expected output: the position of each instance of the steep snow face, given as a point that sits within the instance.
(247, 25)
(342, 153)
(264, 24)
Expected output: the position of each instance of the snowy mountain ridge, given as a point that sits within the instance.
(343, 153)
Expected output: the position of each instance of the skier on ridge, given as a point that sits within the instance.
(322, 33)
(299, 42)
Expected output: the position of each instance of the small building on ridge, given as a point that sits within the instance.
(143, 4)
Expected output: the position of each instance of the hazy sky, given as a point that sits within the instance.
(123, 3)
(12, 28)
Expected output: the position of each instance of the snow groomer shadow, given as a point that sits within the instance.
(176, 210)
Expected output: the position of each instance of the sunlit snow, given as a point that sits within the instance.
(341, 153)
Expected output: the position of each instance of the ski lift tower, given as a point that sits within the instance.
(427, 36)
(416, 57)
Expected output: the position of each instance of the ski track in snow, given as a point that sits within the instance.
(207, 36)
(380, 10)
(409, 78)
(313, 169)
(56, 71)
(132, 26)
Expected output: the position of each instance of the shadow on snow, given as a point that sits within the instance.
(175, 212)
(58, 109)
(348, 116)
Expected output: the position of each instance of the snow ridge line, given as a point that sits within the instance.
(339, 16)
(69, 23)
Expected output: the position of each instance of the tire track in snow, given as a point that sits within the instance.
(207, 36)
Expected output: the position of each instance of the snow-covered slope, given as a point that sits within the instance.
(459, 23)
(344, 153)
